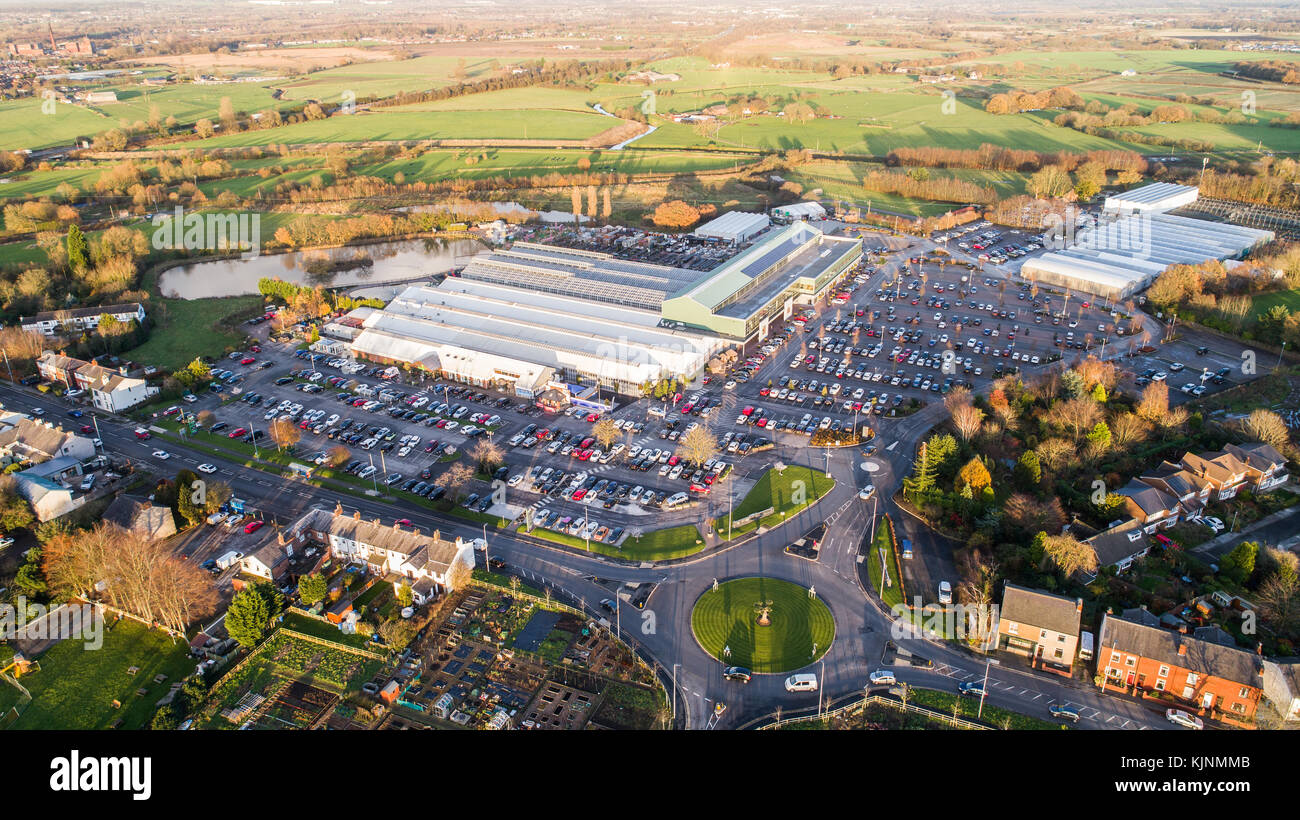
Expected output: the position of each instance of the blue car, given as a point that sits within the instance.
(76, 414)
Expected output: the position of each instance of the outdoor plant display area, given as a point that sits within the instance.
(762, 624)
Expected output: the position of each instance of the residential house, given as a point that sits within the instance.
(27, 440)
(269, 562)
(76, 320)
(1153, 508)
(1265, 466)
(49, 499)
(55, 367)
(1192, 491)
(1205, 676)
(140, 516)
(1041, 626)
(111, 391)
(427, 561)
(1225, 473)
(1120, 545)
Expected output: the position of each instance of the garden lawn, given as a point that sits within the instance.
(894, 592)
(801, 631)
(778, 491)
(76, 687)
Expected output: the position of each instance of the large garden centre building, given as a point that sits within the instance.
(537, 317)
(1135, 239)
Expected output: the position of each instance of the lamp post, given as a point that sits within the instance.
(985, 688)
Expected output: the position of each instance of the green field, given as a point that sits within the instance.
(780, 491)
(400, 124)
(800, 632)
(76, 687)
(383, 78)
(185, 329)
(656, 545)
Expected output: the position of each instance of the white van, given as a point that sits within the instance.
(88, 482)
(945, 592)
(801, 683)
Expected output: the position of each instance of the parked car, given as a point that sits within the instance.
(1063, 713)
(1185, 719)
(882, 677)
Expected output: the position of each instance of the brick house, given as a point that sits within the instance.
(1040, 626)
(1265, 466)
(1201, 674)
(1152, 507)
(1225, 473)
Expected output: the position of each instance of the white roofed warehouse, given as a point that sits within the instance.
(1158, 196)
(734, 227)
(1126, 252)
(494, 335)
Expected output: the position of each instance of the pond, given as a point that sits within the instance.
(353, 265)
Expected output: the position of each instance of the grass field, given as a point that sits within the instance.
(800, 632)
(398, 124)
(894, 591)
(384, 78)
(782, 492)
(76, 687)
(187, 328)
(656, 545)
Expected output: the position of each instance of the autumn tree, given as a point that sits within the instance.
(606, 432)
(486, 455)
(675, 214)
(967, 418)
(1069, 554)
(974, 475)
(284, 433)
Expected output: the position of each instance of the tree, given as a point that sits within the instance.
(675, 214)
(251, 614)
(698, 445)
(78, 249)
(1031, 515)
(15, 512)
(405, 595)
(606, 432)
(1069, 554)
(1239, 564)
(1099, 437)
(455, 479)
(1049, 182)
(338, 455)
(486, 455)
(204, 128)
(312, 588)
(284, 433)
(967, 418)
(1028, 472)
(1278, 599)
(1268, 427)
(974, 475)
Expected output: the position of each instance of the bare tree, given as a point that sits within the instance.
(606, 432)
(486, 455)
(455, 479)
(1268, 427)
(967, 419)
(698, 445)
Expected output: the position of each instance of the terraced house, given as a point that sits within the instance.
(429, 563)
(1204, 672)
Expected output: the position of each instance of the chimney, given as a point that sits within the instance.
(356, 516)
(397, 526)
(1182, 649)
(1078, 605)
(1259, 648)
(338, 508)
(279, 538)
(416, 531)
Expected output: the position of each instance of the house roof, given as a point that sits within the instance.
(269, 555)
(1176, 479)
(1138, 615)
(1218, 467)
(1202, 656)
(32, 437)
(1041, 609)
(1117, 543)
(83, 312)
(428, 549)
(61, 362)
(140, 516)
(1259, 456)
(1148, 499)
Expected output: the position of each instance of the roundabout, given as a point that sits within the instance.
(762, 624)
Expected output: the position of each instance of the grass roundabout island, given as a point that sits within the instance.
(798, 629)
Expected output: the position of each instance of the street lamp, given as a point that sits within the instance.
(985, 688)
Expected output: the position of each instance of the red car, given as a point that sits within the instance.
(171, 411)
(593, 417)
(748, 411)
(253, 526)
(256, 348)
(142, 434)
(763, 391)
(405, 522)
(578, 494)
(86, 428)
(247, 360)
(237, 432)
